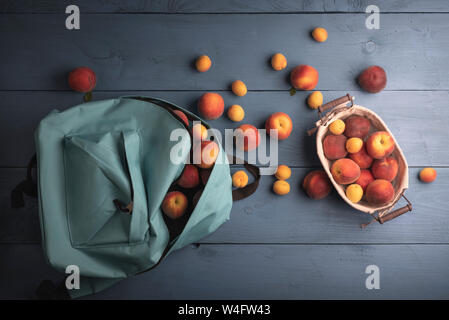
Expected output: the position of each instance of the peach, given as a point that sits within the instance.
(281, 187)
(248, 137)
(357, 126)
(373, 79)
(174, 204)
(239, 179)
(183, 116)
(211, 105)
(278, 61)
(345, 171)
(366, 177)
(380, 144)
(334, 147)
(362, 158)
(379, 192)
(317, 184)
(205, 174)
(281, 122)
(386, 168)
(304, 77)
(190, 177)
(203, 63)
(208, 151)
(427, 175)
(82, 79)
(199, 132)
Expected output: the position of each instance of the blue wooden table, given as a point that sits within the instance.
(288, 247)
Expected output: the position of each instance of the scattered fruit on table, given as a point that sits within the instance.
(427, 175)
(190, 177)
(236, 113)
(379, 192)
(373, 79)
(82, 79)
(239, 88)
(239, 179)
(182, 116)
(317, 184)
(248, 137)
(281, 122)
(203, 63)
(354, 192)
(199, 131)
(386, 168)
(357, 126)
(362, 158)
(278, 61)
(174, 204)
(319, 34)
(196, 198)
(380, 144)
(366, 177)
(334, 147)
(283, 172)
(205, 174)
(304, 77)
(345, 171)
(206, 154)
(337, 127)
(315, 99)
(281, 187)
(211, 105)
(354, 145)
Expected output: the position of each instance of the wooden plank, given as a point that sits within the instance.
(294, 218)
(417, 119)
(156, 52)
(258, 272)
(219, 6)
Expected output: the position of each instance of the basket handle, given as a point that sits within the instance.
(331, 104)
(396, 213)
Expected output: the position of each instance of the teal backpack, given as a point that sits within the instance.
(93, 160)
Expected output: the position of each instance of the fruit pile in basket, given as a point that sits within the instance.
(362, 159)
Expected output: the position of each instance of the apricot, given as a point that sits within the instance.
(354, 192)
(379, 192)
(337, 127)
(207, 152)
(386, 168)
(281, 187)
(334, 147)
(203, 63)
(199, 131)
(357, 126)
(211, 105)
(304, 77)
(366, 177)
(317, 184)
(373, 79)
(362, 158)
(380, 144)
(283, 172)
(82, 79)
(354, 145)
(236, 113)
(239, 88)
(315, 99)
(319, 34)
(278, 61)
(281, 122)
(174, 204)
(427, 175)
(239, 179)
(248, 137)
(190, 177)
(345, 171)
(183, 116)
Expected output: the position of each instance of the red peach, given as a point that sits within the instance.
(317, 184)
(183, 116)
(211, 105)
(386, 168)
(362, 158)
(334, 147)
(380, 144)
(345, 171)
(366, 177)
(428, 175)
(82, 79)
(373, 79)
(379, 192)
(206, 154)
(174, 204)
(248, 137)
(357, 126)
(304, 77)
(190, 177)
(281, 122)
